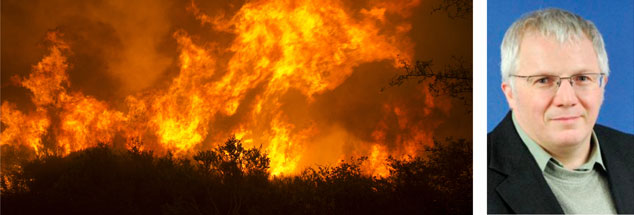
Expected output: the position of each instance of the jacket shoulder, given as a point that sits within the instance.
(613, 140)
(614, 136)
(601, 129)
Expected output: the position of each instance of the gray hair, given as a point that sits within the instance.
(552, 22)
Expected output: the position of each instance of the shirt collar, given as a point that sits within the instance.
(542, 157)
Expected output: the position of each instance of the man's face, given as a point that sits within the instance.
(562, 117)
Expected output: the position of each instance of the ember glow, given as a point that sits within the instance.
(299, 78)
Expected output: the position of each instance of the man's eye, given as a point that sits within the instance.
(583, 78)
(543, 80)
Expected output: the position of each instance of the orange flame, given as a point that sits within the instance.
(310, 46)
(83, 121)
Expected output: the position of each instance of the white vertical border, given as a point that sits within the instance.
(479, 105)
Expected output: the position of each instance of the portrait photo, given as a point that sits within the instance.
(560, 107)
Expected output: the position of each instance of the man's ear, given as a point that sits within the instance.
(508, 92)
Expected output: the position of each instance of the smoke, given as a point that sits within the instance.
(116, 44)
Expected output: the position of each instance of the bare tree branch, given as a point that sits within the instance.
(455, 80)
(456, 8)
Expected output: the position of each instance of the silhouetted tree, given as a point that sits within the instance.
(455, 80)
(456, 8)
(243, 175)
(443, 179)
(230, 179)
(233, 160)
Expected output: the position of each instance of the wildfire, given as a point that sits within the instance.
(79, 121)
(306, 47)
(377, 161)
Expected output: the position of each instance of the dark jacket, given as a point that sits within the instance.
(515, 183)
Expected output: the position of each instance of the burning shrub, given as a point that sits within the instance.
(233, 160)
(232, 179)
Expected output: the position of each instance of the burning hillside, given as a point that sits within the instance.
(299, 78)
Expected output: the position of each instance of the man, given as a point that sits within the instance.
(548, 155)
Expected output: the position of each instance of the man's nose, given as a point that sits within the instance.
(565, 95)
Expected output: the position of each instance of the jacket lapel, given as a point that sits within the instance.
(525, 190)
(525, 193)
(620, 172)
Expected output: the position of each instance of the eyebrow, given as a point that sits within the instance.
(577, 72)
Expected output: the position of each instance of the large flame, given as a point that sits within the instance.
(305, 46)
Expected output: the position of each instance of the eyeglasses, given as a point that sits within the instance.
(551, 83)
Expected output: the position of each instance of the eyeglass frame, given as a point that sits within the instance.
(570, 78)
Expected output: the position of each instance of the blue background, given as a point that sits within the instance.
(614, 19)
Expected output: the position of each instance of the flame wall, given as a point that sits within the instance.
(300, 78)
